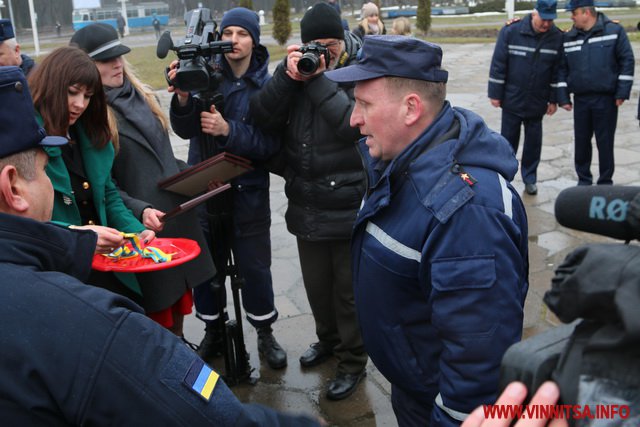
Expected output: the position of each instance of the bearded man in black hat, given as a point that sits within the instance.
(324, 183)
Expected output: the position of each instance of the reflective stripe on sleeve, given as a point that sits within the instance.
(456, 415)
(625, 77)
(506, 197)
(497, 81)
(392, 244)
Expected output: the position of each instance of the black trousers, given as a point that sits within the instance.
(326, 272)
(594, 115)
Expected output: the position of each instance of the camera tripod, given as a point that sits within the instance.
(219, 213)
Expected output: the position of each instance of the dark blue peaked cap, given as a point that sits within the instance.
(574, 4)
(6, 30)
(394, 56)
(19, 130)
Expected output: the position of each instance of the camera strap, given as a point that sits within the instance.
(343, 59)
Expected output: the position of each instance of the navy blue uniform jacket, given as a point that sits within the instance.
(440, 265)
(74, 354)
(599, 61)
(524, 68)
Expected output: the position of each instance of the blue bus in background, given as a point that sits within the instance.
(138, 16)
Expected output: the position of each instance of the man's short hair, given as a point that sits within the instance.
(433, 92)
(12, 43)
(24, 162)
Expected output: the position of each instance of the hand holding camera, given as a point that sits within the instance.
(171, 75)
(307, 61)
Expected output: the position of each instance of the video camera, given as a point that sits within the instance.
(311, 54)
(595, 356)
(201, 43)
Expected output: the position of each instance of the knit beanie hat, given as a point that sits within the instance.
(245, 18)
(369, 9)
(321, 22)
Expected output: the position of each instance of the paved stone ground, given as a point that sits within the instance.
(294, 389)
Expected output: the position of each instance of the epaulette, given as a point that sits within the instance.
(511, 21)
(616, 21)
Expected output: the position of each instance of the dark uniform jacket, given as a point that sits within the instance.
(598, 61)
(323, 171)
(77, 355)
(251, 210)
(524, 68)
(440, 265)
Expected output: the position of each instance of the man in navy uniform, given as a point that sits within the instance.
(10, 49)
(597, 67)
(522, 81)
(74, 354)
(439, 247)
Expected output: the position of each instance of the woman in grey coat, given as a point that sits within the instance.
(145, 157)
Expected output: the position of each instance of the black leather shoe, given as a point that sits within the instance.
(531, 189)
(211, 346)
(343, 385)
(315, 354)
(269, 348)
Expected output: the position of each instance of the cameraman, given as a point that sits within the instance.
(324, 185)
(244, 71)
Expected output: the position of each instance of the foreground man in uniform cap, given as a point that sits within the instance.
(74, 354)
(439, 247)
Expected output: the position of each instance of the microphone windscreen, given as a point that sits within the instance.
(165, 43)
(600, 209)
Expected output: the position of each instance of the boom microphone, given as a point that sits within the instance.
(165, 44)
(601, 209)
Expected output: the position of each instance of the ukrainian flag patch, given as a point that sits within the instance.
(201, 379)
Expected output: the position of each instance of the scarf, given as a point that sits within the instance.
(131, 104)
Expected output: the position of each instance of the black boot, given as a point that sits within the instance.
(211, 346)
(269, 348)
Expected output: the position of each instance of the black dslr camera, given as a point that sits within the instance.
(310, 60)
(200, 44)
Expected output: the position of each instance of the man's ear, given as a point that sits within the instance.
(414, 108)
(11, 190)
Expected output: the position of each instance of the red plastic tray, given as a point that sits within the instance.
(182, 250)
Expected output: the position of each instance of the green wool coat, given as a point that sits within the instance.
(109, 205)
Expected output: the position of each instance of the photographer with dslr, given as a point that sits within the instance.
(244, 71)
(324, 183)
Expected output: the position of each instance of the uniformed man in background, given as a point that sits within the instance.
(597, 67)
(522, 81)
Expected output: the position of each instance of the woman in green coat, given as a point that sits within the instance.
(69, 100)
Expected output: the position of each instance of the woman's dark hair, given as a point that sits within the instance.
(49, 83)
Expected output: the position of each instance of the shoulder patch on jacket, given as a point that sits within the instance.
(201, 379)
(512, 21)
